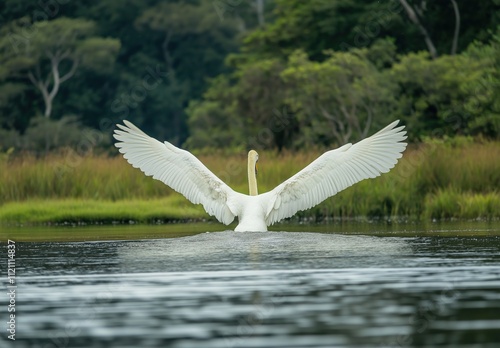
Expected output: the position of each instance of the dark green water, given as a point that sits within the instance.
(351, 285)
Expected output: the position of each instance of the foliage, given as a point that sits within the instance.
(49, 53)
(338, 99)
(346, 95)
(44, 135)
(451, 94)
(317, 25)
(101, 93)
(210, 115)
(184, 69)
(269, 103)
(249, 106)
(483, 102)
(197, 38)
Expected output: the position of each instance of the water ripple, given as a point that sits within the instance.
(275, 289)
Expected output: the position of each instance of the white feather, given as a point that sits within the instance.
(178, 169)
(329, 174)
(335, 171)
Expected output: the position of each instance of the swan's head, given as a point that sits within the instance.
(253, 154)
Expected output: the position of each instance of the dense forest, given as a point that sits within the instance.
(269, 74)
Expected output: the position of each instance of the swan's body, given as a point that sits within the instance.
(330, 173)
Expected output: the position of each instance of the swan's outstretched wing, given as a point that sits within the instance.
(335, 171)
(177, 168)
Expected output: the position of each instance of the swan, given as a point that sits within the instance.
(332, 172)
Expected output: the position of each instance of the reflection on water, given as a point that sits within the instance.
(275, 289)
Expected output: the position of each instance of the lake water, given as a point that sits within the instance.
(350, 285)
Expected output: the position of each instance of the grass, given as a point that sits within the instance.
(432, 181)
(171, 208)
(447, 204)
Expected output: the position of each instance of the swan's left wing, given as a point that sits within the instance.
(179, 169)
(335, 171)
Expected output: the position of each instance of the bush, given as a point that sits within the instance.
(44, 135)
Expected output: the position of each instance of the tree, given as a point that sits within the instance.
(179, 20)
(44, 134)
(316, 25)
(247, 106)
(482, 103)
(259, 97)
(49, 53)
(451, 95)
(416, 12)
(193, 43)
(271, 103)
(191, 39)
(412, 15)
(341, 97)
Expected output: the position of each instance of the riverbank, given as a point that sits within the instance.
(435, 180)
(173, 208)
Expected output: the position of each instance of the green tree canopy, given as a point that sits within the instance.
(451, 94)
(340, 98)
(50, 52)
(316, 25)
(276, 71)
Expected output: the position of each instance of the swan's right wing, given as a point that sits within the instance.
(335, 171)
(179, 169)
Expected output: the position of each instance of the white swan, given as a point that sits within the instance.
(330, 173)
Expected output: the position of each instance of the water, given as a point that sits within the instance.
(374, 286)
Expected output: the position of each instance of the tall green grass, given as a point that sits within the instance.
(447, 204)
(433, 180)
(61, 176)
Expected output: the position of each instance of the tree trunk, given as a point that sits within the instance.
(342, 131)
(457, 28)
(57, 80)
(168, 57)
(260, 11)
(414, 18)
(48, 107)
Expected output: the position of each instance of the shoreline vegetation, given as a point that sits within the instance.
(455, 179)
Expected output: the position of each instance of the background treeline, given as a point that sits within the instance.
(268, 74)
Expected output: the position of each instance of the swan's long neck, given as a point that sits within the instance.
(252, 177)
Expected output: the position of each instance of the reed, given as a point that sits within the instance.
(447, 204)
(427, 183)
(59, 176)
